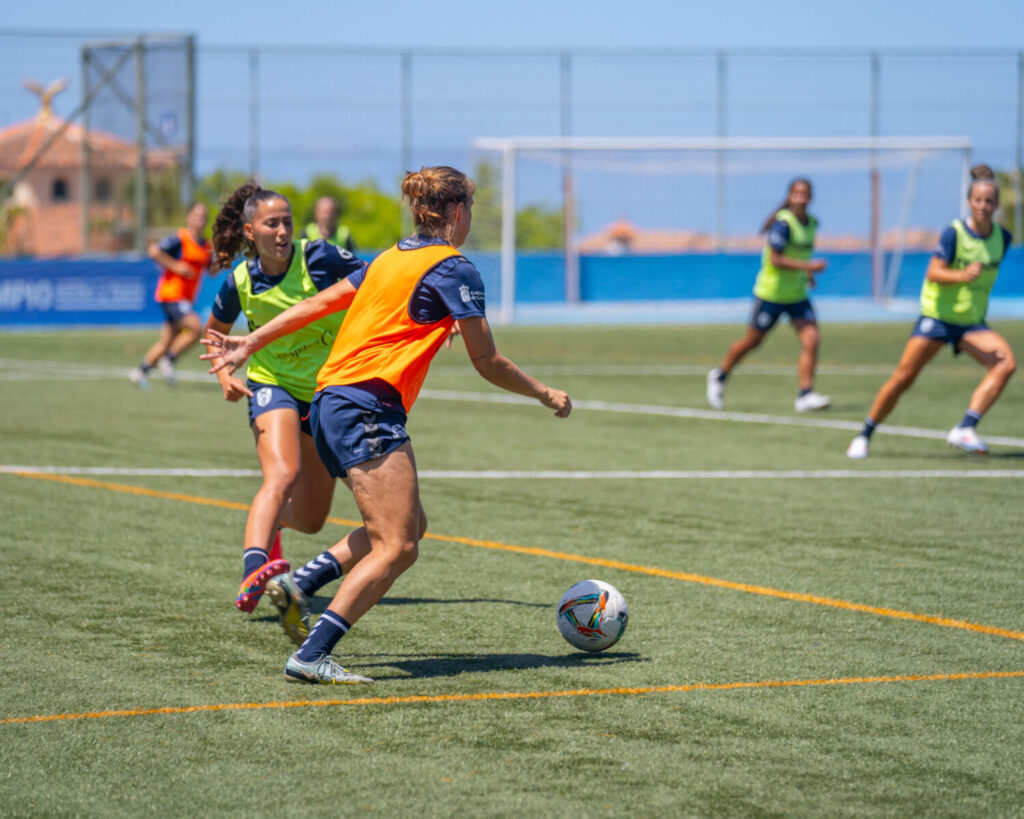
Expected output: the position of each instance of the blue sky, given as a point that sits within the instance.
(553, 23)
(339, 112)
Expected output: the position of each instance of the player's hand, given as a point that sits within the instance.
(972, 271)
(234, 389)
(816, 266)
(182, 269)
(232, 350)
(455, 331)
(558, 401)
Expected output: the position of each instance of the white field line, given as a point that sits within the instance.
(661, 370)
(710, 415)
(134, 471)
(51, 370)
(512, 474)
(14, 369)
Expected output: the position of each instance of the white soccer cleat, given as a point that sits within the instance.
(325, 671)
(167, 371)
(716, 389)
(138, 378)
(967, 439)
(811, 402)
(858, 447)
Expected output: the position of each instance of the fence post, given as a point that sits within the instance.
(86, 197)
(254, 113)
(721, 130)
(1018, 186)
(141, 198)
(877, 255)
(571, 256)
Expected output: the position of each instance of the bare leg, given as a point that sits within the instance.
(807, 364)
(356, 545)
(309, 500)
(992, 351)
(751, 340)
(189, 332)
(386, 491)
(280, 454)
(918, 352)
(162, 344)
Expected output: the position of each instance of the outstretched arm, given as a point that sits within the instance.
(503, 373)
(233, 350)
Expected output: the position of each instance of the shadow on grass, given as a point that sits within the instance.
(318, 605)
(422, 666)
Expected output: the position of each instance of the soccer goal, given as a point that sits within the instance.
(584, 221)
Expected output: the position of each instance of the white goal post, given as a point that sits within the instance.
(889, 172)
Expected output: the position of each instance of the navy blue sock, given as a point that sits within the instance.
(145, 367)
(804, 392)
(171, 357)
(252, 559)
(722, 376)
(320, 571)
(323, 638)
(869, 427)
(970, 419)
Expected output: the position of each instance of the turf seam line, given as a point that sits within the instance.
(534, 551)
(513, 695)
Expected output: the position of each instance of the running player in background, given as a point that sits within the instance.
(954, 300)
(404, 310)
(182, 257)
(325, 225)
(787, 270)
(276, 274)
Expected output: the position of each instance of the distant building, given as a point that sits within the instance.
(44, 211)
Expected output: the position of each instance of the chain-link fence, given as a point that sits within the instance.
(286, 114)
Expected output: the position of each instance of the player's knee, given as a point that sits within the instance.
(405, 555)
(281, 480)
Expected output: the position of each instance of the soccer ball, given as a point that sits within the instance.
(592, 615)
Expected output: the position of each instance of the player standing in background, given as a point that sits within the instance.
(787, 270)
(182, 257)
(954, 300)
(405, 309)
(277, 273)
(325, 225)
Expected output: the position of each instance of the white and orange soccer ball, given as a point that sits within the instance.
(592, 615)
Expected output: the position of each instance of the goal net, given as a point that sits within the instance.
(564, 225)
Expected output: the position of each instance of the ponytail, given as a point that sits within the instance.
(785, 204)
(228, 234)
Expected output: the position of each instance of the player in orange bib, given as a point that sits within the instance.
(403, 312)
(182, 258)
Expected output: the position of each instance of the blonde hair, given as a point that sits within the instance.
(433, 192)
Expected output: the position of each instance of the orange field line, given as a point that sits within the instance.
(591, 561)
(514, 695)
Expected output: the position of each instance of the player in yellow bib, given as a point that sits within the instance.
(787, 270)
(276, 274)
(954, 301)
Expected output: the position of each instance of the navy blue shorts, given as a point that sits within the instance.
(767, 313)
(267, 397)
(347, 434)
(939, 330)
(175, 311)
